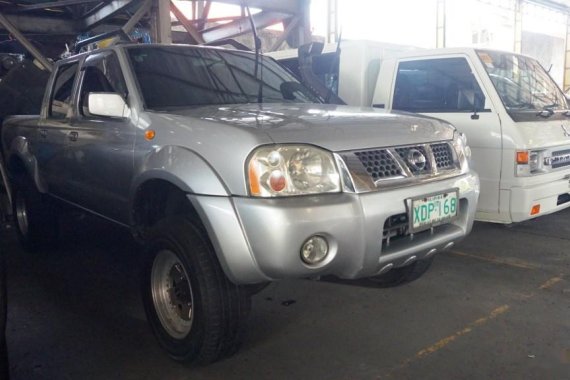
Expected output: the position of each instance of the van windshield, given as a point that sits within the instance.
(180, 76)
(522, 83)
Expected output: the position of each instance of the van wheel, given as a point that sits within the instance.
(403, 275)
(35, 217)
(196, 313)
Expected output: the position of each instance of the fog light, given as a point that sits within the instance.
(314, 250)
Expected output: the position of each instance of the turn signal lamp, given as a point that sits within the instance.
(522, 157)
(535, 209)
(149, 134)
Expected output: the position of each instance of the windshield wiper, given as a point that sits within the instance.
(547, 110)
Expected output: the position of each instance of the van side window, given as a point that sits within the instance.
(102, 73)
(437, 85)
(60, 102)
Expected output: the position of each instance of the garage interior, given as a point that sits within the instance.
(494, 306)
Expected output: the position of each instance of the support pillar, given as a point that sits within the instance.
(302, 34)
(518, 27)
(566, 82)
(163, 23)
(440, 24)
(332, 20)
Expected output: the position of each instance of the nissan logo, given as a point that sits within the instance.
(416, 160)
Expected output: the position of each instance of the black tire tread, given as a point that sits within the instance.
(227, 304)
(43, 226)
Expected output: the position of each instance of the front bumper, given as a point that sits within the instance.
(260, 239)
(551, 196)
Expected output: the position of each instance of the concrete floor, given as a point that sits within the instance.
(497, 306)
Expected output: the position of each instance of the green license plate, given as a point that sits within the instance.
(432, 210)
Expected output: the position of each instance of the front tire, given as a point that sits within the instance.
(195, 312)
(35, 216)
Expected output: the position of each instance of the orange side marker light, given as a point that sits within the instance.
(149, 134)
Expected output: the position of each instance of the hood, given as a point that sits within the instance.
(543, 133)
(332, 127)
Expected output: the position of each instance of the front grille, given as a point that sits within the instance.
(404, 154)
(443, 156)
(405, 161)
(379, 164)
(560, 159)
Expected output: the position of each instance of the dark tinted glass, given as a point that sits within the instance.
(61, 93)
(437, 85)
(178, 76)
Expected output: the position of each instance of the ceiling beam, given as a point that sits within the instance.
(287, 6)
(110, 9)
(191, 29)
(204, 16)
(26, 43)
(43, 25)
(556, 5)
(292, 25)
(242, 26)
(52, 4)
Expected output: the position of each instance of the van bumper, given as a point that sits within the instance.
(551, 197)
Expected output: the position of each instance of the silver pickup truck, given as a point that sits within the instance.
(232, 173)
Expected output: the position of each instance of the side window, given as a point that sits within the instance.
(60, 102)
(437, 85)
(102, 73)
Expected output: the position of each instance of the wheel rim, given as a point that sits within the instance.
(22, 215)
(172, 294)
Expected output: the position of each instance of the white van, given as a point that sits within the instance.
(514, 115)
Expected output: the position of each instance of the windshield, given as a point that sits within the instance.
(522, 83)
(180, 76)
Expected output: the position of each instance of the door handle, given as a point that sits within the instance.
(72, 136)
(43, 133)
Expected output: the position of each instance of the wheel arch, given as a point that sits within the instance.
(182, 167)
(157, 198)
(21, 161)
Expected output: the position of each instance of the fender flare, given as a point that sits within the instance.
(183, 168)
(20, 148)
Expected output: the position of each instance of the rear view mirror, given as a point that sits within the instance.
(108, 104)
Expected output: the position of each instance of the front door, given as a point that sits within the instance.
(51, 138)
(100, 149)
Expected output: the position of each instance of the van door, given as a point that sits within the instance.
(446, 88)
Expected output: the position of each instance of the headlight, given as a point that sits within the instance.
(284, 170)
(529, 162)
(462, 150)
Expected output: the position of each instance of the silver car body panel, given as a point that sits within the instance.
(260, 239)
(203, 150)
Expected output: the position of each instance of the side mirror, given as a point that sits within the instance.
(311, 49)
(108, 104)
